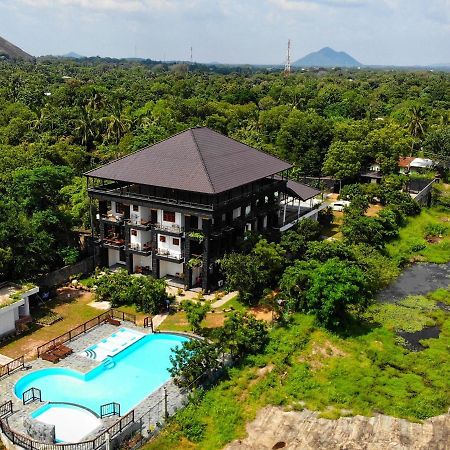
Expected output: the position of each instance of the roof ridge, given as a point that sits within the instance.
(138, 151)
(201, 158)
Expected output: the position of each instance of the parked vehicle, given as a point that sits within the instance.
(340, 205)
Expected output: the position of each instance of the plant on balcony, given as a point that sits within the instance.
(195, 261)
(197, 235)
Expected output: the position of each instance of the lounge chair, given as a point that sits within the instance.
(49, 356)
(113, 321)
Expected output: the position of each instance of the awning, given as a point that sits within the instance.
(302, 191)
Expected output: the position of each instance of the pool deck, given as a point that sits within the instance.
(84, 365)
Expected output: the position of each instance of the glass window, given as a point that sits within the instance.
(135, 208)
(162, 239)
(133, 232)
(169, 216)
(175, 241)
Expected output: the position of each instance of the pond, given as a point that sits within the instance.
(419, 279)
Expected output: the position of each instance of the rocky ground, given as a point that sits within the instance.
(274, 429)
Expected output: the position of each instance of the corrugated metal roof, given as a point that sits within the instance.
(302, 191)
(197, 160)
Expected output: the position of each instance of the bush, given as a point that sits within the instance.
(435, 229)
(146, 293)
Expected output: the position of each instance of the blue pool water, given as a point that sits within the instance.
(126, 378)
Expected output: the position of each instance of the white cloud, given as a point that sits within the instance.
(116, 5)
(314, 5)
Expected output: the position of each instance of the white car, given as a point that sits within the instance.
(340, 205)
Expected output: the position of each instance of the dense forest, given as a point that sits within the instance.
(60, 118)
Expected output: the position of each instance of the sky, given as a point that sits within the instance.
(391, 32)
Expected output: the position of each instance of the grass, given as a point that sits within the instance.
(71, 305)
(412, 243)
(306, 366)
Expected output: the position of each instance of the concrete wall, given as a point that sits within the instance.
(40, 431)
(63, 275)
(169, 268)
(142, 261)
(7, 320)
(169, 245)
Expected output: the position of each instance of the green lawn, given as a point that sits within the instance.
(412, 243)
(306, 366)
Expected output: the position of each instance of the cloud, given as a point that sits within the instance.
(115, 5)
(314, 5)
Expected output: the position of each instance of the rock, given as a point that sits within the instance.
(304, 430)
(75, 283)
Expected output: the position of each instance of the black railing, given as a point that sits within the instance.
(30, 395)
(12, 366)
(6, 409)
(116, 314)
(94, 444)
(148, 323)
(110, 409)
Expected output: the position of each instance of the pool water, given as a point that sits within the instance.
(126, 378)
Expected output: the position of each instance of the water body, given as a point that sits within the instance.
(419, 279)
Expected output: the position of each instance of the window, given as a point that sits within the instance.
(133, 232)
(175, 241)
(169, 216)
(162, 239)
(248, 210)
(135, 208)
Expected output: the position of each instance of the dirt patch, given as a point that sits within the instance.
(304, 430)
(214, 320)
(262, 313)
(434, 239)
(373, 210)
(320, 352)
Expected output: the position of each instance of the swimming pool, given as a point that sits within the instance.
(126, 378)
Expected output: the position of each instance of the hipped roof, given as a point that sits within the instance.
(196, 160)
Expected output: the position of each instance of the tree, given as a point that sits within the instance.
(337, 289)
(296, 241)
(147, 293)
(363, 230)
(437, 146)
(344, 160)
(193, 362)
(304, 139)
(195, 313)
(242, 334)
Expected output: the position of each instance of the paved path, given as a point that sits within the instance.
(226, 298)
(4, 360)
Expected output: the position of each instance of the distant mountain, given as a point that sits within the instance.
(327, 57)
(73, 55)
(10, 51)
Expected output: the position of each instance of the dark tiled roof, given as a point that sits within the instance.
(197, 160)
(302, 191)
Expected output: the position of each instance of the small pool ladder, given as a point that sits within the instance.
(108, 362)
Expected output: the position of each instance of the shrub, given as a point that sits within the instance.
(195, 313)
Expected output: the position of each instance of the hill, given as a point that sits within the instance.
(73, 55)
(10, 51)
(327, 57)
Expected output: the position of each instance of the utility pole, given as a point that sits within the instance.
(287, 66)
(192, 59)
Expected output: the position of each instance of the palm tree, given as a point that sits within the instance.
(416, 123)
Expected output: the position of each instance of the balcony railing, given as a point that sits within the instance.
(145, 224)
(113, 242)
(169, 228)
(141, 248)
(112, 218)
(176, 256)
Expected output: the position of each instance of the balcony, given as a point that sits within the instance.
(172, 230)
(144, 225)
(115, 219)
(113, 242)
(141, 249)
(167, 255)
